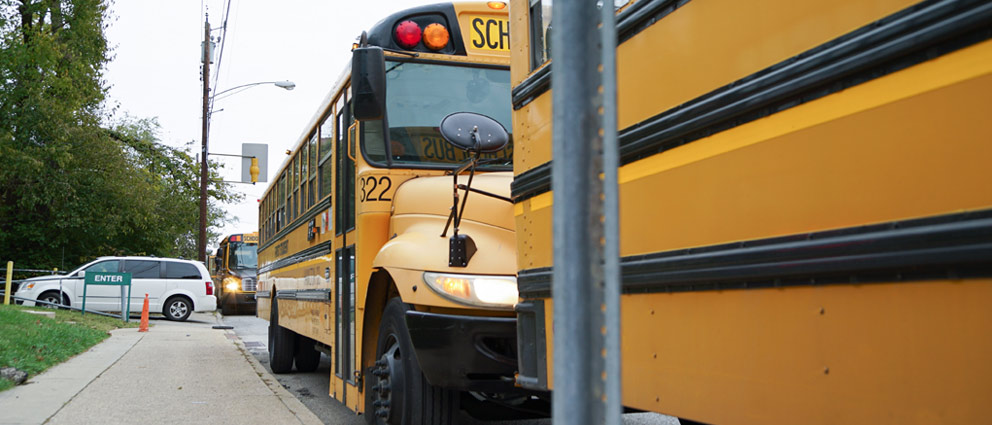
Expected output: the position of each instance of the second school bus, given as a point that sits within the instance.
(805, 208)
(234, 269)
(354, 258)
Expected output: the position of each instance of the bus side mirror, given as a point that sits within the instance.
(368, 83)
(473, 132)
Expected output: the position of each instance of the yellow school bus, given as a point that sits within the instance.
(234, 271)
(354, 255)
(805, 208)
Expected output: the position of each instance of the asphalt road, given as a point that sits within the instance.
(312, 388)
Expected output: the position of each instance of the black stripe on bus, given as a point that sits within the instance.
(304, 294)
(535, 181)
(636, 18)
(534, 86)
(263, 294)
(642, 14)
(944, 247)
(909, 37)
(314, 211)
(319, 250)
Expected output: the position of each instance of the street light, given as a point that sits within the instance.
(201, 243)
(288, 85)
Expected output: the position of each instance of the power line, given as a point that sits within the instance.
(220, 57)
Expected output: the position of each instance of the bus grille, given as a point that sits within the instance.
(248, 284)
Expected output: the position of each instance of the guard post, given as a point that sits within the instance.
(6, 291)
(111, 279)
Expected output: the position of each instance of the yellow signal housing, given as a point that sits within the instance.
(254, 170)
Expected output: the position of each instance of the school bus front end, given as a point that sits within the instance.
(462, 324)
(358, 230)
(805, 218)
(236, 273)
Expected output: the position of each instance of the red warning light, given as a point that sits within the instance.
(408, 34)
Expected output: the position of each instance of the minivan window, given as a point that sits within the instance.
(181, 271)
(142, 269)
(109, 266)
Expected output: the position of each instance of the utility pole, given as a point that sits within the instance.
(201, 243)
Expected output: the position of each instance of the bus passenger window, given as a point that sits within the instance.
(540, 32)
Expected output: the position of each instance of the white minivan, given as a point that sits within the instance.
(175, 287)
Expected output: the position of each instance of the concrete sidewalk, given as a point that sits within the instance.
(183, 373)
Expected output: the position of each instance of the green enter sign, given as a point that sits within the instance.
(111, 279)
(116, 279)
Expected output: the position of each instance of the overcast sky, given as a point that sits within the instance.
(156, 72)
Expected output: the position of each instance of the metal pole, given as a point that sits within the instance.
(6, 291)
(580, 357)
(611, 211)
(201, 242)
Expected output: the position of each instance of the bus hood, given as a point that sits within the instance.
(432, 196)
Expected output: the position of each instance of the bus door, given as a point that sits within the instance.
(344, 247)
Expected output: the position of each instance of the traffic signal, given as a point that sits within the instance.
(254, 170)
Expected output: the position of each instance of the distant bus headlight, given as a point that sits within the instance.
(232, 284)
(477, 290)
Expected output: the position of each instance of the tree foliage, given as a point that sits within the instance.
(74, 186)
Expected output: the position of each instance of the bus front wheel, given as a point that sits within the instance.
(396, 391)
(282, 343)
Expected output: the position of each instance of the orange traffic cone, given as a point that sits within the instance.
(144, 316)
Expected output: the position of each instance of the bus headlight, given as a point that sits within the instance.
(232, 284)
(477, 290)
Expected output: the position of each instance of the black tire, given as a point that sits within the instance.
(282, 343)
(396, 391)
(177, 308)
(226, 309)
(52, 297)
(306, 357)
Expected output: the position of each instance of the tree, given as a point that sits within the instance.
(174, 193)
(71, 189)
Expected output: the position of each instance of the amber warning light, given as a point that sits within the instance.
(435, 36)
(498, 5)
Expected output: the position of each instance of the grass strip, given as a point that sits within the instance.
(34, 343)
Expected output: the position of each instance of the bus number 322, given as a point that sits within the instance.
(375, 188)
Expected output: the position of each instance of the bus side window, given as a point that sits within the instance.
(325, 147)
(540, 32)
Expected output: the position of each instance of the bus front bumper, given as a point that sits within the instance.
(468, 353)
(238, 300)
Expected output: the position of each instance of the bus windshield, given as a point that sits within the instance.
(419, 95)
(243, 256)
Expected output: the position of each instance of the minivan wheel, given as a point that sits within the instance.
(177, 308)
(53, 297)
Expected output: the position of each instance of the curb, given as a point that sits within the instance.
(294, 405)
